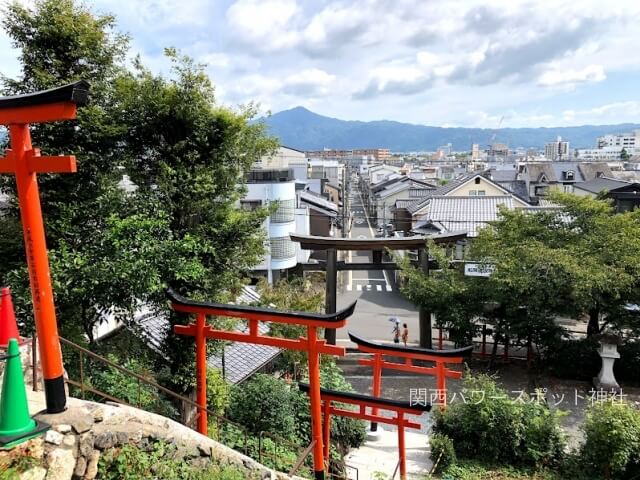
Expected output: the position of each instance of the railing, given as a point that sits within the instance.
(225, 431)
(395, 471)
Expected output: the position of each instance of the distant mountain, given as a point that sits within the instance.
(302, 129)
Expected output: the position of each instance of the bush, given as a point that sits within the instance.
(131, 463)
(577, 359)
(492, 427)
(627, 366)
(264, 403)
(612, 440)
(569, 354)
(443, 454)
(469, 470)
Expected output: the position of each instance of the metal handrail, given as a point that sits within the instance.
(143, 380)
(396, 470)
(303, 456)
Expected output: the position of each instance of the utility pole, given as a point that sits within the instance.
(424, 319)
(384, 219)
(344, 201)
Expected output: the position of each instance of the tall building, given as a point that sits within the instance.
(628, 141)
(557, 150)
(269, 186)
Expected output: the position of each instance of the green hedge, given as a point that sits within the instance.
(491, 427)
(579, 359)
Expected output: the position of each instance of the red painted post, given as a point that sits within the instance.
(401, 447)
(327, 427)
(315, 403)
(38, 264)
(441, 384)
(377, 381)
(201, 373)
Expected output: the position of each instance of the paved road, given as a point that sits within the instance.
(378, 297)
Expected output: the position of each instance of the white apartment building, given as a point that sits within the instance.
(268, 186)
(629, 141)
(286, 158)
(557, 150)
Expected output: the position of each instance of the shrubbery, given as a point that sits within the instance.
(131, 463)
(492, 427)
(443, 453)
(584, 352)
(612, 441)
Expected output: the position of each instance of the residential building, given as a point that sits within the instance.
(625, 195)
(320, 168)
(333, 193)
(466, 203)
(628, 141)
(324, 218)
(540, 177)
(266, 187)
(557, 150)
(386, 195)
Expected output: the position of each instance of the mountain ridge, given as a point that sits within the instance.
(303, 129)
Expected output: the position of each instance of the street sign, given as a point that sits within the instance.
(478, 269)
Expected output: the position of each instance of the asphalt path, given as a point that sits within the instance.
(377, 295)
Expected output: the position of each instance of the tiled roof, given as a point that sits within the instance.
(316, 199)
(443, 190)
(403, 203)
(598, 184)
(463, 213)
(554, 171)
(241, 359)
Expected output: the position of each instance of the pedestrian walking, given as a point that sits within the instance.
(405, 334)
(396, 329)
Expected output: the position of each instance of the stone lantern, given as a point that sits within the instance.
(608, 351)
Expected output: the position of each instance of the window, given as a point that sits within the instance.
(282, 247)
(473, 193)
(250, 204)
(569, 175)
(481, 193)
(478, 181)
(567, 188)
(285, 212)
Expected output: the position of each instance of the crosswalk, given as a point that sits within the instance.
(369, 288)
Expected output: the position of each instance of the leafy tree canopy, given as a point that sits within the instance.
(111, 247)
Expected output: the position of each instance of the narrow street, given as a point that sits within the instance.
(377, 295)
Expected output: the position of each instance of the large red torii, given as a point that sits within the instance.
(24, 161)
(400, 408)
(384, 353)
(311, 344)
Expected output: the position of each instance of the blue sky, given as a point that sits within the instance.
(434, 62)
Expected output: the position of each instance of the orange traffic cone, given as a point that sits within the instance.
(8, 325)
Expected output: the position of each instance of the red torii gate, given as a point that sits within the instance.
(25, 162)
(363, 401)
(440, 357)
(311, 344)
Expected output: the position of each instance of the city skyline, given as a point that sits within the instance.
(468, 64)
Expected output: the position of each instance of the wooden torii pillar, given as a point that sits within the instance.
(440, 357)
(400, 409)
(311, 344)
(25, 162)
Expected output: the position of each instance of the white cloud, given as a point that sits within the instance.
(264, 24)
(312, 82)
(570, 78)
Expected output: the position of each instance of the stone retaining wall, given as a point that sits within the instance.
(72, 448)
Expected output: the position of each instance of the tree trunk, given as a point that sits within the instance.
(593, 328)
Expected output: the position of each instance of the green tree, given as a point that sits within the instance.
(624, 155)
(180, 227)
